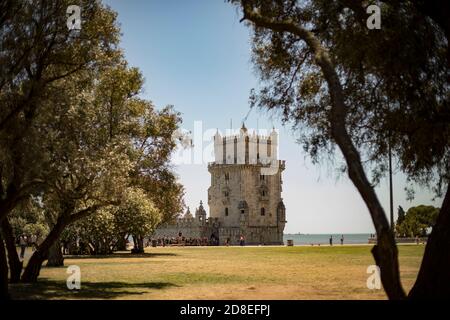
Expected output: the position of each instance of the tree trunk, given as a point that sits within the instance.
(138, 244)
(385, 251)
(8, 202)
(55, 256)
(34, 265)
(433, 280)
(12, 195)
(121, 243)
(4, 295)
(15, 265)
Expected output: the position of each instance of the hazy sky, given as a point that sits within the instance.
(195, 55)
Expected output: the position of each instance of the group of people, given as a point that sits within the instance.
(185, 241)
(25, 241)
(191, 241)
(342, 240)
(241, 241)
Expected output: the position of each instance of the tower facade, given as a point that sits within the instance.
(246, 186)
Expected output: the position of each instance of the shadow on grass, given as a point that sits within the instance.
(123, 255)
(51, 289)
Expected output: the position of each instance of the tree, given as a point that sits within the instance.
(137, 216)
(153, 172)
(401, 215)
(4, 294)
(92, 141)
(97, 233)
(15, 265)
(26, 218)
(400, 219)
(88, 165)
(74, 132)
(37, 53)
(55, 257)
(344, 85)
(29, 218)
(417, 220)
(81, 171)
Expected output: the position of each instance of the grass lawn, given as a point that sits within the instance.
(337, 272)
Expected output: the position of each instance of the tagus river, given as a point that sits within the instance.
(308, 239)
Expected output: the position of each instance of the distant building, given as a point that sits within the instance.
(245, 194)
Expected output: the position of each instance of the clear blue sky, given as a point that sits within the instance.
(195, 55)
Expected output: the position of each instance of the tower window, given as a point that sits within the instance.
(263, 193)
(227, 176)
(226, 212)
(242, 211)
(263, 211)
(262, 177)
(226, 193)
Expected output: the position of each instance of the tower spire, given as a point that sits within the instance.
(243, 128)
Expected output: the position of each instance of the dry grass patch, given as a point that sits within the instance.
(324, 272)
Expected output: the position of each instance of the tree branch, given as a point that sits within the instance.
(89, 210)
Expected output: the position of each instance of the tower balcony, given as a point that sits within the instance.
(215, 164)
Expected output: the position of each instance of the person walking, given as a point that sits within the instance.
(23, 245)
(331, 240)
(242, 241)
(33, 242)
(342, 240)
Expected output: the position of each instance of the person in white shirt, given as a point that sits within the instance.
(33, 242)
(23, 245)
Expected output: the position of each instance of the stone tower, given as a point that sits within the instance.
(246, 185)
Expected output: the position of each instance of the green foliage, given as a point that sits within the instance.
(417, 220)
(401, 215)
(137, 215)
(103, 231)
(394, 80)
(97, 231)
(151, 152)
(42, 61)
(30, 219)
(104, 144)
(74, 132)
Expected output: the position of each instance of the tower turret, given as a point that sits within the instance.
(200, 213)
(188, 214)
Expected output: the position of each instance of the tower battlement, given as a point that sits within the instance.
(245, 148)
